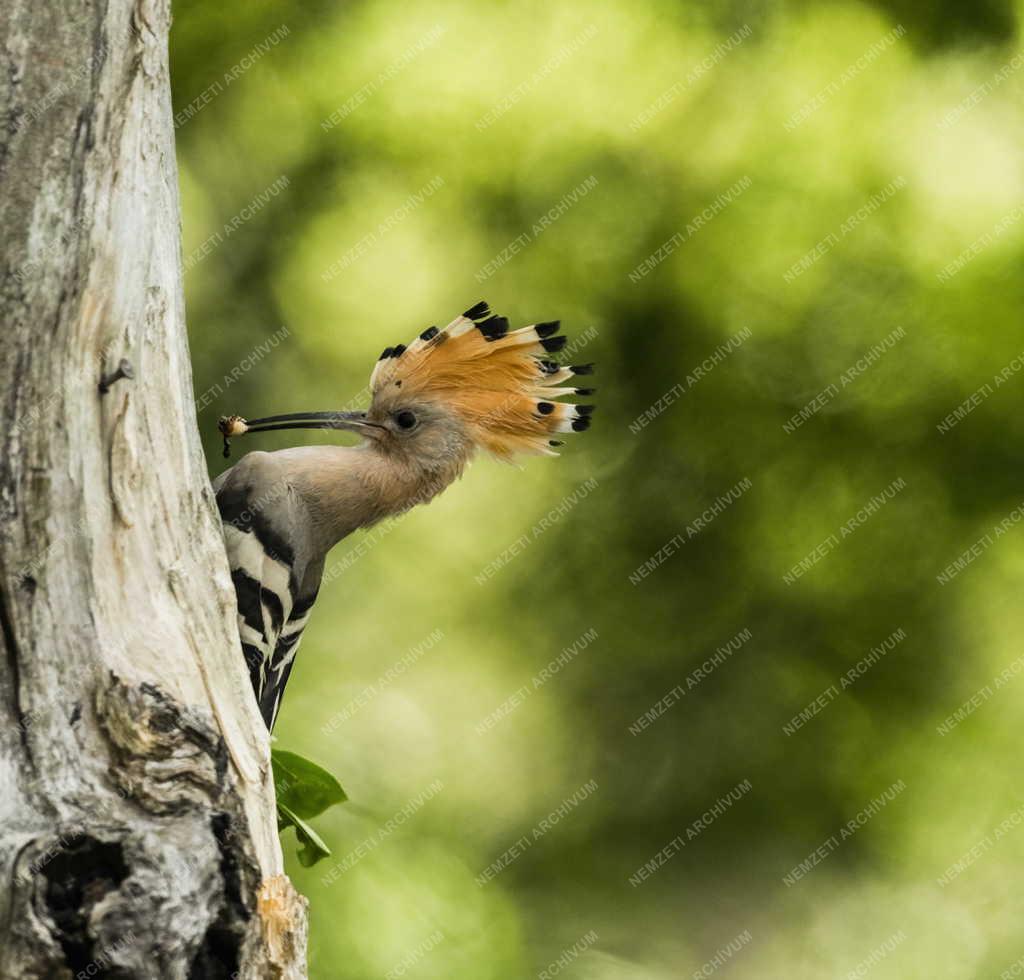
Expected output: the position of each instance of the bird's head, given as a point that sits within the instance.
(473, 385)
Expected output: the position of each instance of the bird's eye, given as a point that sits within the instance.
(405, 420)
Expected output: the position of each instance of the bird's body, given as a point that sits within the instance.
(283, 511)
(275, 567)
(279, 525)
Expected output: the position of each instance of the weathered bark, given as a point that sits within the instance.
(137, 831)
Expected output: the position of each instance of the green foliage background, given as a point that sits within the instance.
(570, 119)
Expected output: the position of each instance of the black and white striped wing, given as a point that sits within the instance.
(271, 612)
(263, 591)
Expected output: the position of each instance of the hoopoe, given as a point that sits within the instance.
(472, 386)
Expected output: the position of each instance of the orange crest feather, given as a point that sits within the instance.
(499, 383)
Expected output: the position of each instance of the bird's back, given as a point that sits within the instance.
(274, 573)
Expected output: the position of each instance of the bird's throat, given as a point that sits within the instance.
(359, 487)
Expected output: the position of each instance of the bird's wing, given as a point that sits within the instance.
(262, 563)
(264, 602)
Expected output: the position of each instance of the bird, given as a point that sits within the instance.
(473, 386)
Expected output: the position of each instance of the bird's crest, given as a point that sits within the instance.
(499, 382)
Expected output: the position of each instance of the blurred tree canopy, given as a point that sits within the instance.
(790, 236)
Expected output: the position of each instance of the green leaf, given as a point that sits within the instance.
(303, 788)
(312, 848)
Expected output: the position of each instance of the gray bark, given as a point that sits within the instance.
(137, 829)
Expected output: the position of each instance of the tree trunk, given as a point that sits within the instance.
(137, 827)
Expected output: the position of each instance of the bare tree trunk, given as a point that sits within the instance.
(137, 829)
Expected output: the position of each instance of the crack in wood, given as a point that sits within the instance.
(169, 757)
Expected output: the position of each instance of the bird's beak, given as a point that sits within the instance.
(232, 426)
(235, 425)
